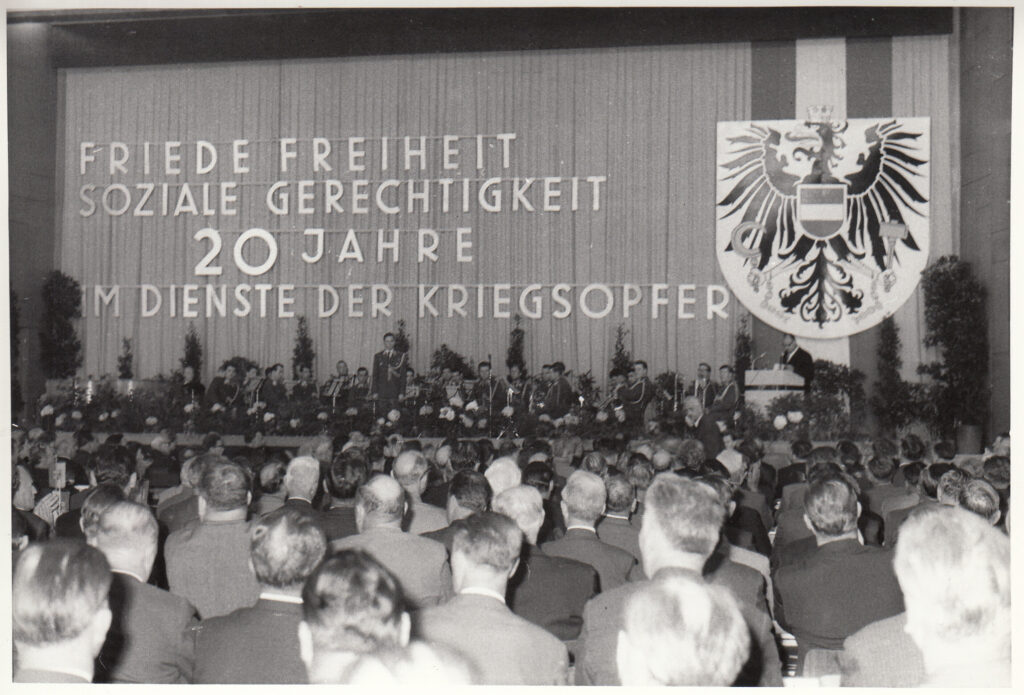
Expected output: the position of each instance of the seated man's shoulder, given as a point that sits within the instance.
(609, 603)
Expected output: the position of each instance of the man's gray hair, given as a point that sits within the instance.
(954, 570)
(678, 630)
(584, 496)
(523, 504)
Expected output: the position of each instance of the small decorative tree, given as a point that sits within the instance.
(446, 357)
(303, 355)
(61, 350)
(193, 350)
(622, 358)
(125, 359)
(516, 338)
(955, 323)
(401, 337)
(894, 402)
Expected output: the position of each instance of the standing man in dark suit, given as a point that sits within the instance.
(419, 564)
(59, 611)
(830, 592)
(703, 428)
(149, 640)
(490, 392)
(260, 644)
(795, 359)
(507, 649)
(583, 503)
(548, 591)
(682, 523)
(389, 373)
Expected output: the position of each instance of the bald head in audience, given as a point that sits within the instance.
(411, 471)
(380, 502)
(954, 570)
(677, 630)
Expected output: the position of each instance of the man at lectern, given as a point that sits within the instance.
(389, 365)
(795, 359)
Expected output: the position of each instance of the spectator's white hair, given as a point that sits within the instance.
(524, 505)
(502, 474)
(584, 496)
(678, 630)
(954, 570)
(303, 475)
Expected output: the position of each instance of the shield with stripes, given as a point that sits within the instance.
(821, 208)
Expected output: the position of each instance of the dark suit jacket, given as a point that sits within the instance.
(895, 519)
(506, 649)
(612, 564)
(384, 384)
(38, 530)
(802, 363)
(274, 395)
(882, 655)
(829, 593)
(551, 592)
(559, 398)
(339, 521)
(149, 639)
(181, 514)
(443, 536)
(69, 524)
(622, 533)
(708, 434)
(259, 644)
(419, 564)
(604, 617)
(746, 530)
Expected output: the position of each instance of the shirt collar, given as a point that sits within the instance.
(581, 527)
(623, 517)
(62, 668)
(284, 598)
(481, 591)
(298, 497)
(130, 574)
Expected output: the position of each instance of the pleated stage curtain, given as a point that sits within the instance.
(643, 117)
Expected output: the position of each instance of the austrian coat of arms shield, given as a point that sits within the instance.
(822, 226)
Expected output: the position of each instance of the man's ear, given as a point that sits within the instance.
(248, 498)
(326, 489)
(305, 644)
(859, 510)
(564, 508)
(202, 506)
(515, 566)
(730, 508)
(133, 480)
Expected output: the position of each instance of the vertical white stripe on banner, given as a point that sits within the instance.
(821, 80)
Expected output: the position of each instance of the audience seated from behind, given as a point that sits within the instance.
(420, 564)
(831, 591)
(506, 649)
(259, 644)
(208, 560)
(618, 526)
(548, 591)
(682, 524)
(149, 640)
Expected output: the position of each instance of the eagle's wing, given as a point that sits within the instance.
(764, 192)
(879, 188)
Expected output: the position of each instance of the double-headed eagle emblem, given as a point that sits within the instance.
(823, 225)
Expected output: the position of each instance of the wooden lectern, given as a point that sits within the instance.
(764, 385)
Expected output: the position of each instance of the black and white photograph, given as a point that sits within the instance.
(553, 345)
